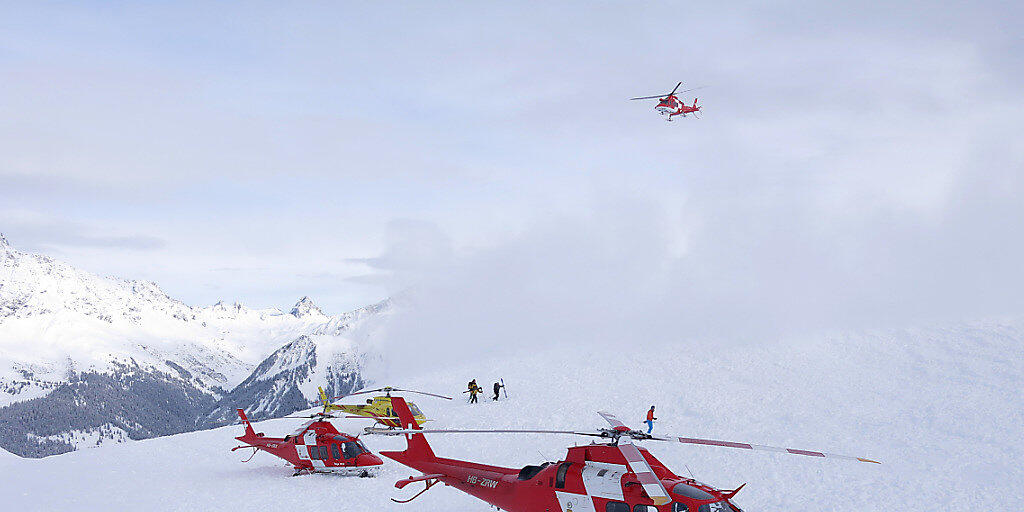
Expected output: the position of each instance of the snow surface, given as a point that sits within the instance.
(941, 408)
(88, 438)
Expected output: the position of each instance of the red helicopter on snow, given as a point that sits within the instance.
(669, 105)
(315, 447)
(611, 477)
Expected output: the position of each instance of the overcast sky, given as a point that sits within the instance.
(856, 164)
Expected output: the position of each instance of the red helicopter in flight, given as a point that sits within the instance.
(617, 476)
(315, 447)
(669, 105)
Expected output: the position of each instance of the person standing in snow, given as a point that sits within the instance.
(497, 388)
(650, 420)
(473, 390)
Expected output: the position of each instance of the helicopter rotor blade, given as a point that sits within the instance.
(400, 431)
(363, 392)
(694, 89)
(748, 446)
(390, 389)
(303, 427)
(658, 97)
(422, 393)
(625, 437)
(638, 465)
(615, 422)
(669, 94)
(310, 416)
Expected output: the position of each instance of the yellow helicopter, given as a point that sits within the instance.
(378, 407)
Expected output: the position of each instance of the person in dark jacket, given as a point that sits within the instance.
(497, 388)
(473, 390)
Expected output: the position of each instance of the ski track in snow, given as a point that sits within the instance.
(941, 409)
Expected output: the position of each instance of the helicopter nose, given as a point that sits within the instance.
(368, 459)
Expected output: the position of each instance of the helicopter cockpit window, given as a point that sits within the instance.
(415, 410)
(691, 492)
(679, 507)
(721, 506)
(644, 508)
(529, 472)
(563, 468)
(335, 452)
(616, 506)
(351, 449)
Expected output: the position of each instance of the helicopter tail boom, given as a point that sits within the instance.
(245, 421)
(418, 448)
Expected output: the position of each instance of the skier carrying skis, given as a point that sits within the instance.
(473, 390)
(497, 388)
(650, 420)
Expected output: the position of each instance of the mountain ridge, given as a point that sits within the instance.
(63, 329)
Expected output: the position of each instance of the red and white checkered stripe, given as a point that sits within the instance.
(304, 439)
(644, 474)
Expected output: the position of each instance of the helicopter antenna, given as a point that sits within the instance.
(688, 471)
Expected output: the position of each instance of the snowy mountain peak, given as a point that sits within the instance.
(232, 309)
(134, 356)
(305, 307)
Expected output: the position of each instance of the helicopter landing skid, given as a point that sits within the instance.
(429, 480)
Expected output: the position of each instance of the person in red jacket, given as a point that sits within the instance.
(650, 420)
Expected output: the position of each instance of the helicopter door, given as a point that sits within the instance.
(604, 480)
(571, 502)
(309, 438)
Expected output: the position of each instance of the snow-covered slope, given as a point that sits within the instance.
(940, 407)
(62, 329)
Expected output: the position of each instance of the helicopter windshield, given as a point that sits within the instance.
(415, 410)
(352, 449)
(721, 506)
(692, 492)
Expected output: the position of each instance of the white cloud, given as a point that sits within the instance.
(839, 151)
